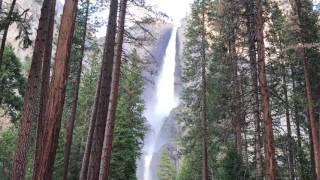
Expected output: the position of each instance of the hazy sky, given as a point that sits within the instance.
(176, 9)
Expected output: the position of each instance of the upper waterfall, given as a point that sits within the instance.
(158, 111)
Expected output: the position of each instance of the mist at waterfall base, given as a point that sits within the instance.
(158, 110)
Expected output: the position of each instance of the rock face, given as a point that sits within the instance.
(34, 7)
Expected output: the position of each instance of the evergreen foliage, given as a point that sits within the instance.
(12, 85)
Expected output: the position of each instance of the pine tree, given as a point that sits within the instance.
(32, 92)
(167, 169)
(57, 91)
(130, 124)
(12, 86)
(268, 129)
(74, 82)
(6, 29)
(104, 93)
(114, 93)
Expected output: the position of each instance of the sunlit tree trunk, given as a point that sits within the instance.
(72, 118)
(45, 81)
(56, 97)
(32, 92)
(268, 130)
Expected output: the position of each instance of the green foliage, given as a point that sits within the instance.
(167, 167)
(231, 166)
(12, 84)
(130, 124)
(7, 149)
(190, 167)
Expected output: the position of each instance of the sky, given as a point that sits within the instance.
(176, 9)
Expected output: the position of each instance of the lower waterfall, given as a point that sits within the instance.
(158, 112)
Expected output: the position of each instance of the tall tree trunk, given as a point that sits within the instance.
(6, 29)
(93, 118)
(53, 114)
(313, 173)
(205, 166)
(236, 94)
(103, 99)
(107, 144)
(268, 130)
(45, 81)
(33, 90)
(297, 123)
(289, 132)
(313, 123)
(255, 90)
(312, 119)
(70, 122)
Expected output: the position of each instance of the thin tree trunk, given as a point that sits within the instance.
(297, 123)
(70, 123)
(6, 29)
(310, 104)
(103, 99)
(312, 119)
(236, 95)
(289, 132)
(254, 78)
(107, 145)
(269, 144)
(33, 90)
(53, 114)
(205, 166)
(86, 155)
(45, 81)
(313, 173)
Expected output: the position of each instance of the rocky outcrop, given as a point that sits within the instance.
(34, 7)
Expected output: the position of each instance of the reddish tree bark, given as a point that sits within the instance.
(45, 81)
(107, 144)
(72, 118)
(312, 120)
(56, 97)
(33, 90)
(104, 94)
(313, 123)
(268, 130)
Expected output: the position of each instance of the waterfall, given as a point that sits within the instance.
(163, 105)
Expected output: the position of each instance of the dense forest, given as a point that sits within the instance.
(73, 105)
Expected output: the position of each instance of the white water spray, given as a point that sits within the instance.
(165, 102)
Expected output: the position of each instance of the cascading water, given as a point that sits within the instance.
(166, 100)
